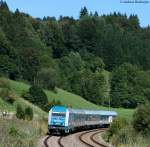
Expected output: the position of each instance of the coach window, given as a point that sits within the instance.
(104, 117)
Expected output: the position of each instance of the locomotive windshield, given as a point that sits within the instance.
(58, 114)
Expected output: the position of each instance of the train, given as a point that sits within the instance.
(65, 120)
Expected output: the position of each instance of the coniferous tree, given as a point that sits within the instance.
(83, 12)
(96, 14)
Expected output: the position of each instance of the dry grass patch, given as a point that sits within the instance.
(20, 133)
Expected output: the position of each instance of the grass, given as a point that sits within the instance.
(4, 106)
(19, 133)
(69, 99)
(127, 136)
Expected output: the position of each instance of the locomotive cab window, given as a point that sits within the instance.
(58, 114)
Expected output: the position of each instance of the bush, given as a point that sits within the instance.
(116, 126)
(5, 91)
(29, 113)
(20, 112)
(51, 104)
(123, 136)
(37, 96)
(7, 95)
(13, 131)
(26, 95)
(128, 137)
(54, 102)
(141, 119)
(4, 83)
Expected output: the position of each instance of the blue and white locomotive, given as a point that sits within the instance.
(64, 120)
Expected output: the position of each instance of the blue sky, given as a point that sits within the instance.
(41, 8)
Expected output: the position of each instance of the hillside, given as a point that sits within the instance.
(4, 106)
(72, 54)
(69, 99)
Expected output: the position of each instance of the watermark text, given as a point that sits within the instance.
(135, 1)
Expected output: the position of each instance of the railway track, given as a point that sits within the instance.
(49, 137)
(93, 141)
(59, 142)
(46, 141)
(81, 138)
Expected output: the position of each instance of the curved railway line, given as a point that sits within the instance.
(46, 141)
(95, 141)
(49, 137)
(81, 139)
(59, 142)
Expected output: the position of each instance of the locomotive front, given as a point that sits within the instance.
(58, 119)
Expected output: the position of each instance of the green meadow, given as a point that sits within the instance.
(67, 99)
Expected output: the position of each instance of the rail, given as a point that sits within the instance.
(92, 138)
(58, 141)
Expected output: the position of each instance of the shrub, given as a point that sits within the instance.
(54, 102)
(26, 95)
(116, 126)
(4, 83)
(38, 97)
(20, 112)
(123, 136)
(29, 113)
(141, 119)
(13, 131)
(127, 137)
(5, 91)
(7, 95)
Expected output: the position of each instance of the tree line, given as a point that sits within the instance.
(74, 54)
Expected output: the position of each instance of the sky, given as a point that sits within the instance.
(41, 8)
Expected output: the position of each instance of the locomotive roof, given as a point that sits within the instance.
(83, 111)
(90, 112)
(59, 108)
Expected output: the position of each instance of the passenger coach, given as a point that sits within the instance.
(64, 120)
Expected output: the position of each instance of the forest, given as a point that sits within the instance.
(103, 58)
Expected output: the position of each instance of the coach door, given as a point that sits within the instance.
(110, 119)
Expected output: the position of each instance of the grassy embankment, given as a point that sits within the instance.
(4, 106)
(20, 133)
(69, 99)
